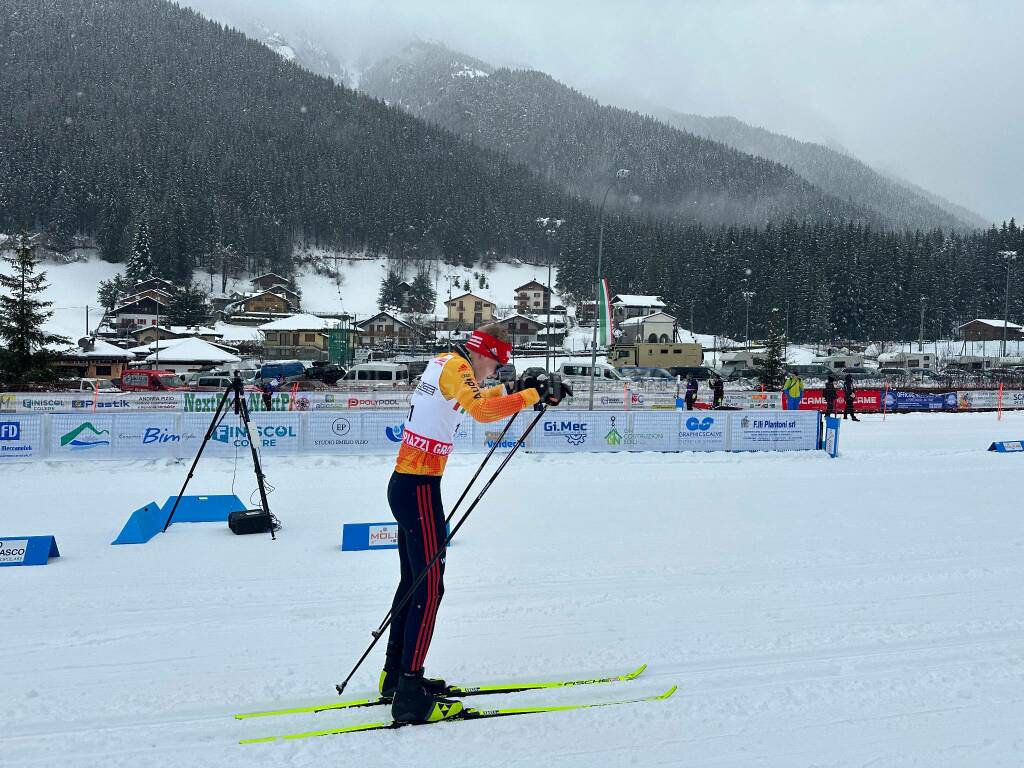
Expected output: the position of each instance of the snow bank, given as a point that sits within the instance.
(813, 612)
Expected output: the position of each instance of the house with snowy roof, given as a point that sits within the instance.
(532, 297)
(981, 329)
(299, 336)
(192, 354)
(93, 358)
(469, 311)
(385, 328)
(627, 305)
(655, 328)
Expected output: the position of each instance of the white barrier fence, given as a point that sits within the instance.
(157, 435)
(629, 398)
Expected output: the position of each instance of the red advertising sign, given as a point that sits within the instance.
(865, 400)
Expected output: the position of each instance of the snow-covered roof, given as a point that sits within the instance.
(367, 321)
(100, 348)
(532, 282)
(473, 295)
(300, 322)
(519, 316)
(230, 333)
(634, 300)
(193, 350)
(648, 318)
(992, 323)
(198, 330)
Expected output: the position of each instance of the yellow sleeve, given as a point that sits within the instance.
(496, 391)
(458, 382)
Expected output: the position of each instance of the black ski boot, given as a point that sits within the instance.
(413, 703)
(388, 684)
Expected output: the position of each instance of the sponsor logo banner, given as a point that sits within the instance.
(897, 400)
(864, 400)
(82, 434)
(13, 551)
(789, 431)
(704, 432)
(21, 437)
(968, 400)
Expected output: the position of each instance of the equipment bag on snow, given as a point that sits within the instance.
(252, 521)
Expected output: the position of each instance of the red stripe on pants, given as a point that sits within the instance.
(426, 526)
(430, 614)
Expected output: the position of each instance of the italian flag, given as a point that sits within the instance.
(604, 315)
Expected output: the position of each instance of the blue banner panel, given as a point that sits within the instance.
(831, 436)
(1009, 446)
(144, 523)
(27, 550)
(896, 400)
(203, 509)
(358, 537)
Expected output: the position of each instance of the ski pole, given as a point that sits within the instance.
(379, 633)
(480, 469)
(466, 491)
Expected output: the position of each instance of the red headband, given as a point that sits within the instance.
(488, 346)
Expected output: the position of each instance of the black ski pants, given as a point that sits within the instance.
(415, 501)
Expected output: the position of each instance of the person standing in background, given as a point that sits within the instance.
(850, 397)
(830, 396)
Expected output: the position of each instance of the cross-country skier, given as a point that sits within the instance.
(448, 389)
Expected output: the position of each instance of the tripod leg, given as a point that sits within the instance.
(206, 439)
(243, 412)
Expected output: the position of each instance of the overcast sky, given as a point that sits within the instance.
(926, 89)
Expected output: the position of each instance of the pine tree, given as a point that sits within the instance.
(188, 307)
(140, 260)
(22, 314)
(422, 297)
(390, 296)
(771, 367)
(108, 294)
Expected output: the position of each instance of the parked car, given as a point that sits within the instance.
(814, 370)
(147, 380)
(103, 386)
(700, 372)
(743, 374)
(376, 373)
(584, 371)
(328, 373)
(641, 373)
(283, 371)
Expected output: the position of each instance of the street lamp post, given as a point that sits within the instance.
(1009, 256)
(621, 174)
(747, 296)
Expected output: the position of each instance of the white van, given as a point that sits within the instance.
(583, 371)
(378, 373)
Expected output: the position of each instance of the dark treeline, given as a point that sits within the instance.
(128, 110)
(831, 281)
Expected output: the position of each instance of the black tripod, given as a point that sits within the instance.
(241, 409)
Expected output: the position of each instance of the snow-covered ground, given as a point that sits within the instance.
(850, 612)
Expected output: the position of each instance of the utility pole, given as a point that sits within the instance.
(920, 338)
(1009, 256)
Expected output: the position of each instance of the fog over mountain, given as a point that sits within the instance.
(920, 90)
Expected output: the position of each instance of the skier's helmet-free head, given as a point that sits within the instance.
(489, 347)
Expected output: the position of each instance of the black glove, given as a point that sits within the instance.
(552, 389)
(526, 381)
